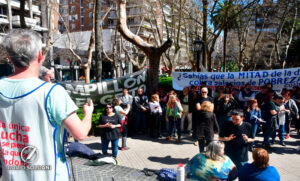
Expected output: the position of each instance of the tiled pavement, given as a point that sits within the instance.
(156, 154)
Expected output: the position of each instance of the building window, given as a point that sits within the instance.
(91, 24)
(90, 14)
(82, 28)
(81, 21)
(73, 26)
(73, 8)
(72, 1)
(102, 13)
(90, 5)
(103, 23)
(81, 3)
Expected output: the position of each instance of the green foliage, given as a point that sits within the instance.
(95, 117)
(232, 67)
(165, 82)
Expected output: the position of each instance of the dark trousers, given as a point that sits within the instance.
(154, 125)
(141, 118)
(202, 142)
(174, 123)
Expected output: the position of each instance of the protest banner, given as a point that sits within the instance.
(103, 92)
(280, 78)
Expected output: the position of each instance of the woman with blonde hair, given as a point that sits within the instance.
(206, 125)
(259, 170)
(155, 113)
(173, 117)
(253, 116)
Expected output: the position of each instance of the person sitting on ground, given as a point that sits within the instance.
(173, 117)
(212, 164)
(259, 170)
(110, 124)
(207, 125)
(122, 113)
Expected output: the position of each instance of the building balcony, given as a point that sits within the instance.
(16, 5)
(29, 21)
(3, 19)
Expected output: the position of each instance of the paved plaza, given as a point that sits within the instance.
(156, 154)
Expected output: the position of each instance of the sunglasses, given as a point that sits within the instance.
(108, 107)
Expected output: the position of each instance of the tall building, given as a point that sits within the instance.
(36, 15)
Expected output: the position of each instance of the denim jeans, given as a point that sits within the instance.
(114, 146)
(140, 117)
(280, 132)
(172, 124)
(254, 126)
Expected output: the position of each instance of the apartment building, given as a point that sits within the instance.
(265, 22)
(35, 13)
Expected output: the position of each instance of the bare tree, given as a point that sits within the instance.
(152, 52)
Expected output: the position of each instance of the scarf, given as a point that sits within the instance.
(174, 107)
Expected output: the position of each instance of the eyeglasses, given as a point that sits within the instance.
(108, 107)
(203, 92)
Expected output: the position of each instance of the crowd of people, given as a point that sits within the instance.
(225, 121)
(227, 114)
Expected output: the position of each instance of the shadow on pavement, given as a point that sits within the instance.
(94, 146)
(168, 160)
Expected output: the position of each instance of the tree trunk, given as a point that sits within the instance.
(154, 61)
(98, 41)
(9, 13)
(22, 14)
(153, 53)
(224, 49)
(207, 64)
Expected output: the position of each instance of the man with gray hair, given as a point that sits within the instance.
(46, 74)
(33, 115)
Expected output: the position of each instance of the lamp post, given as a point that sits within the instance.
(197, 46)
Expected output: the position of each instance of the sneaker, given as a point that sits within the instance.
(282, 143)
(196, 143)
(177, 141)
(125, 148)
(119, 148)
(287, 136)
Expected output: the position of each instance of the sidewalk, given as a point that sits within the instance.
(145, 152)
